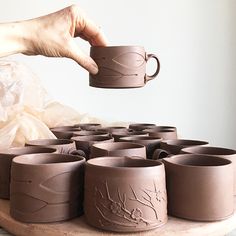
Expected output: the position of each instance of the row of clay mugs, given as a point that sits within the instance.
(137, 211)
(49, 187)
(152, 143)
(171, 147)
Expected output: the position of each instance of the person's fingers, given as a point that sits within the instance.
(81, 58)
(89, 31)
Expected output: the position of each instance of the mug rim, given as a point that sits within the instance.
(92, 163)
(173, 160)
(31, 149)
(228, 151)
(27, 159)
(37, 142)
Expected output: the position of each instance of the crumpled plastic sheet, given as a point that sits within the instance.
(26, 110)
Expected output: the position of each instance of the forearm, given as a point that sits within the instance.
(13, 38)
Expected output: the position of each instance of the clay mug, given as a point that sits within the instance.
(64, 132)
(6, 157)
(151, 143)
(125, 194)
(164, 132)
(121, 67)
(174, 147)
(84, 143)
(118, 149)
(91, 132)
(118, 135)
(141, 126)
(199, 187)
(88, 126)
(64, 146)
(46, 187)
(226, 153)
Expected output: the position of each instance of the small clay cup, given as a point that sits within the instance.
(84, 143)
(88, 126)
(174, 146)
(199, 187)
(121, 67)
(225, 153)
(118, 149)
(64, 146)
(125, 194)
(64, 132)
(6, 157)
(118, 135)
(46, 187)
(141, 126)
(164, 132)
(112, 129)
(91, 132)
(151, 143)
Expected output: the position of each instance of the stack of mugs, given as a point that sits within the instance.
(120, 178)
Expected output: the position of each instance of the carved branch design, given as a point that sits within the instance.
(118, 208)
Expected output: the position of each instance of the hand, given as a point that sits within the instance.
(53, 36)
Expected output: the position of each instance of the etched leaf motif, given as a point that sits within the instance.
(27, 203)
(58, 183)
(130, 60)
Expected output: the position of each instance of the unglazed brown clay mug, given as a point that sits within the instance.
(226, 153)
(6, 157)
(64, 146)
(151, 143)
(174, 147)
(118, 149)
(118, 135)
(46, 187)
(141, 126)
(88, 126)
(91, 132)
(164, 132)
(125, 194)
(199, 187)
(84, 143)
(121, 67)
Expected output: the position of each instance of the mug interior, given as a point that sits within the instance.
(117, 146)
(210, 150)
(45, 142)
(122, 162)
(89, 132)
(27, 150)
(42, 159)
(198, 160)
(185, 142)
(91, 138)
(134, 138)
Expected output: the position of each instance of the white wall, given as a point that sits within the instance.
(195, 41)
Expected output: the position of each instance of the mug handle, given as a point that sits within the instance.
(78, 152)
(160, 154)
(150, 77)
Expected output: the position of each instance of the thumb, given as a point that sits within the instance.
(81, 58)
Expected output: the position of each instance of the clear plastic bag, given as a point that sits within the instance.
(26, 111)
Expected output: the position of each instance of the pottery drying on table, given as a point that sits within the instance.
(199, 187)
(46, 187)
(125, 194)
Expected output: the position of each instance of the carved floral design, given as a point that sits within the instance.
(114, 210)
